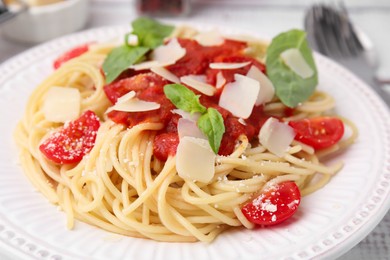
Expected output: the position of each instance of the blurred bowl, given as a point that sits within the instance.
(42, 23)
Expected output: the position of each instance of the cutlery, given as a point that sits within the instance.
(331, 32)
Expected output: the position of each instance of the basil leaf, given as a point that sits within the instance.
(120, 58)
(211, 124)
(150, 32)
(183, 98)
(290, 87)
(150, 35)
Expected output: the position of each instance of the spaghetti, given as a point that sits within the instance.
(121, 186)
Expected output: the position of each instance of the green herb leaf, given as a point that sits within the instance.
(183, 98)
(211, 124)
(120, 58)
(150, 32)
(150, 35)
(211, 121)
(290, 87)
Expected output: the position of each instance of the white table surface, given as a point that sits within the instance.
(269, 17)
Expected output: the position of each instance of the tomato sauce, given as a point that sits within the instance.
(197, 58)
(150, 87)
(229, 74)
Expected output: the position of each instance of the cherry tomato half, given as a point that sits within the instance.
(273, 206)
(318, 132)
(70, 54)
(73, 141)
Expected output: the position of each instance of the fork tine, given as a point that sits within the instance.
(318, 32)
(352, 42)
(340, 32)
(333, 34)
(330, 28)
(309, 26)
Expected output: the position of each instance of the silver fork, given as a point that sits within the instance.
(330, 32)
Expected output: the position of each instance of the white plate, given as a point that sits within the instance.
(328, 223)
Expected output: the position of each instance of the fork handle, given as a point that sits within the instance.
(382, 82)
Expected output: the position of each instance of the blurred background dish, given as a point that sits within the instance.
(163, 8)
(32, 2)
(45, 20)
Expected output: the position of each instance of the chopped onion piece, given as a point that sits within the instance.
(296, 62)
(210, 38)
(267, 89)
(228, 65)
(276, 136)
(239, 97)
(198, 82)
(186, 127)
(195, 161)
(166, 74)
(62, 104)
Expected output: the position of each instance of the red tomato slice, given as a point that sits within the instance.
(318, 132)
(148, 87)
(73, 141)
(70, 54)
(273, 206)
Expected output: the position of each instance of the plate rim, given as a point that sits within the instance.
(350, 241)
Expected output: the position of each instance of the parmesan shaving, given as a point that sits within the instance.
(198, 82)
(241, 37)
(239, 97)
(296, 62)
(195, 160)
(186, 127)
(187, 115)
(221, 81)
(210, 38)
(166, 74)
(145, 65)
(276, 136)
(129, 103)
(228, 65)
(126, 97)
(162, 56)
(267, 89)
(62, 104)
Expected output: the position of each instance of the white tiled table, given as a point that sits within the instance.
(268, 17)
